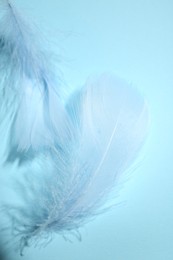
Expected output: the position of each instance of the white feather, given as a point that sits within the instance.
(29, 89)
(109, 121)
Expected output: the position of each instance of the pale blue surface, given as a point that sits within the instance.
(133, 39)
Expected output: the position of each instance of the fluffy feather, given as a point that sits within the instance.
(71, 183)
(79, 149)
(30, 92)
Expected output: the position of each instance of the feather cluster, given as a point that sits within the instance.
(71, 152)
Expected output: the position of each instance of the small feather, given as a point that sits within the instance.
(29, 89)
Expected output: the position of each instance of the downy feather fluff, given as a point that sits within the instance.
(27, 84)
(76, 151)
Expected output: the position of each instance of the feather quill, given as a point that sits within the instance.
(78, 149)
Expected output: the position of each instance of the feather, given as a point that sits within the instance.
(30, 92)
(78, 148)
(71, 184)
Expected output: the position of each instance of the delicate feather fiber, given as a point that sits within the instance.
(27, 84)
(74, 151)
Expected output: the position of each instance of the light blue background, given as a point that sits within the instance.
(134, 39)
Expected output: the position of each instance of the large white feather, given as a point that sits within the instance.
(70, 185)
